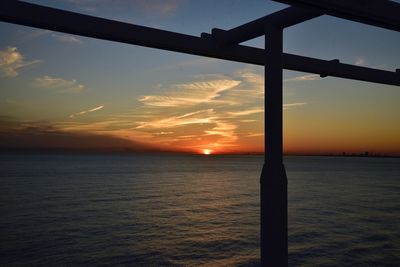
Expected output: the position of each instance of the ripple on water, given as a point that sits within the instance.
(193, 211)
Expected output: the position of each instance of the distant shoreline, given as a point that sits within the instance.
(127, 151)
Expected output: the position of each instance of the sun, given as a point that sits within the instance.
(207, 151)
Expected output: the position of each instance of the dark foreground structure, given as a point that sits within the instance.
(224, 44)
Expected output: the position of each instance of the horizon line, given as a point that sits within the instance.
(143, 151)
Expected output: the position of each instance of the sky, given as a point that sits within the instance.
(70, 92)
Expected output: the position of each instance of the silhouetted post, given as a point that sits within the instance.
(274, 235)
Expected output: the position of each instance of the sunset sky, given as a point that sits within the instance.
(65, 91)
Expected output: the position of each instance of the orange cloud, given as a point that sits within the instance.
(86, 111)
(11, 60)
(59, 84)
(189, 94)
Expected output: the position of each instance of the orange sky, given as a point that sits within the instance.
(220, 114)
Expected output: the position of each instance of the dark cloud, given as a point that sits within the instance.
(24, 135)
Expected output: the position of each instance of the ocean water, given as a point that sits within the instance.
(174, 210)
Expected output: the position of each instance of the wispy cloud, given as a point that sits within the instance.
(191, 116)
(189, 94)
(260, 110)
(292, 105)
(163, 133)
(59, 84)
(206, 112)
(197, 117)
(86, 111)
(29, 35)
(246, 112)
(211, 130)
(255, 134)
(222, 113)
(250, 91)
(224, 129)
(11, 61)
(251, 77)
(65, 38)
(308, 77)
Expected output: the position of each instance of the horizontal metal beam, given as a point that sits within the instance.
(283, 18)
(380, 13)
(74, 23)
(334, 68)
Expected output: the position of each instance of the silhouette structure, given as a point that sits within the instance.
(225, 45)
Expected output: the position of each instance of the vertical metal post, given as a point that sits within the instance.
(273, 181)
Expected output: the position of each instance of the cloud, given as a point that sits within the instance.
(308, 77)
(96, 108)
(250, 77)
(222, 113)
(255, 135)
(246, 112)
(250, 91)
(204, 113)
(65, 38)
(291, 105)
(86, 111)
(189, 94)
(163, 133)
(31, 34)
(197, 117)
(28, 35)
(211, 130)
(58, 84)
(224, 129)
(40, 135)
(105, 124)
(260, 110)
(11, 60)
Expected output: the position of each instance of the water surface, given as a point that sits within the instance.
(180, 210)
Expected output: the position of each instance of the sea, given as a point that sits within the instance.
(193, 210)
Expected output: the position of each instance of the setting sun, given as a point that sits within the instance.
(207, 151)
